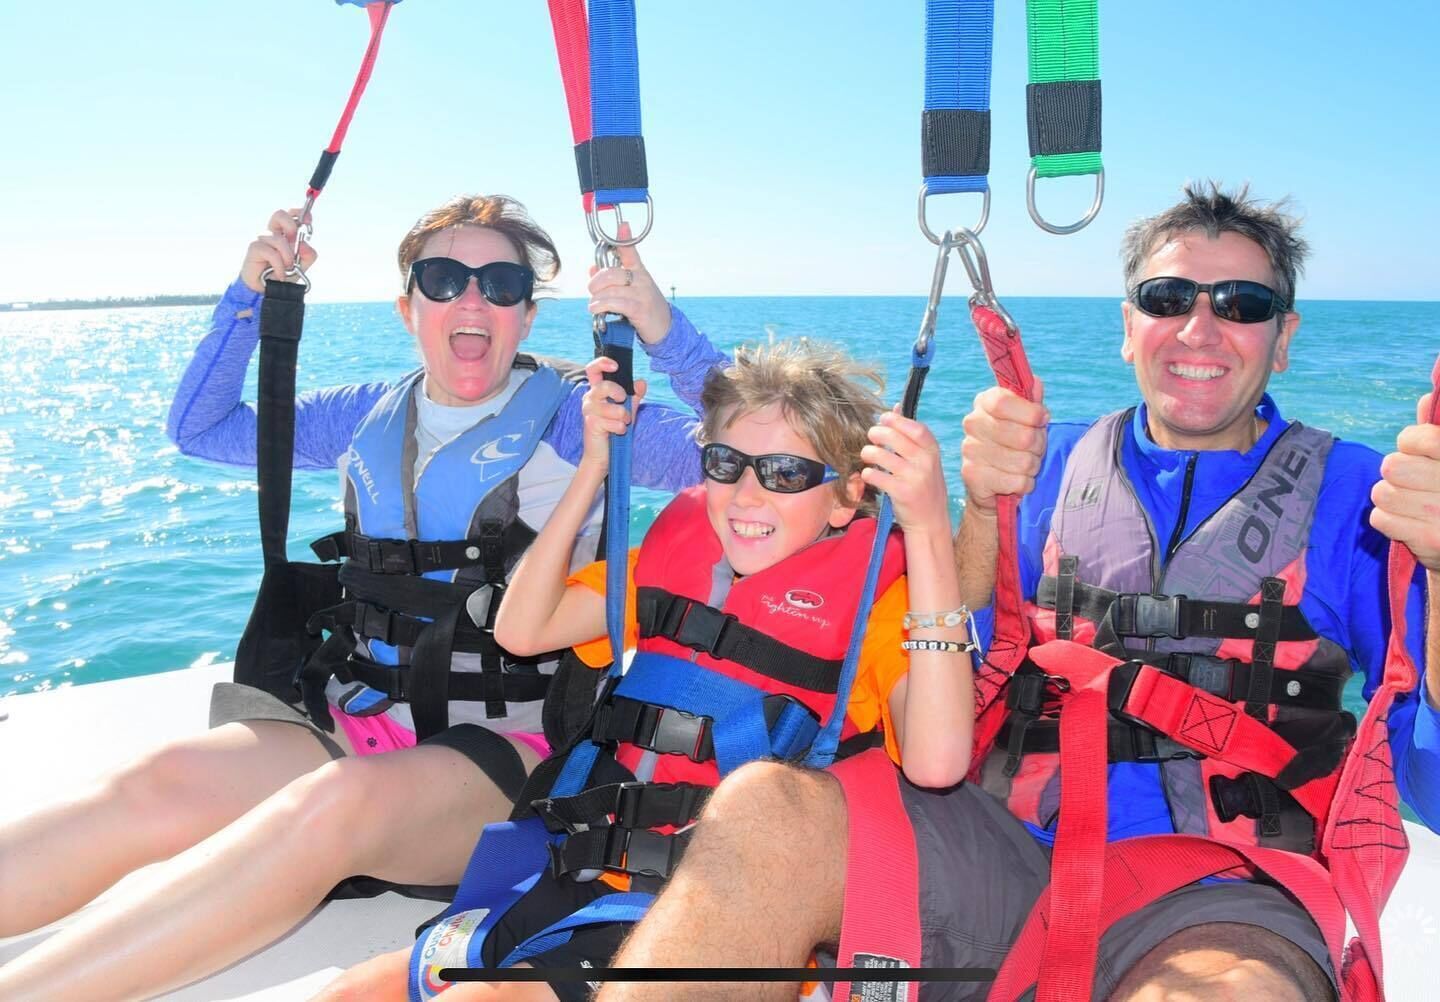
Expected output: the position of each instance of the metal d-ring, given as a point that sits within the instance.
(1073, 227)
(925, 226)
(598, 234)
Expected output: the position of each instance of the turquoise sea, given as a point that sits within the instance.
(120, 557)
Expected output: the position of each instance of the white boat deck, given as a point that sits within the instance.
(56, 742)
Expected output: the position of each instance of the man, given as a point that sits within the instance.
(1220, 480)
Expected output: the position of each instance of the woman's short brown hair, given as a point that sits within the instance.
(500, 213)
(827, 397)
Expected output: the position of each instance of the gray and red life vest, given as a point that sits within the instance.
(1217, 610)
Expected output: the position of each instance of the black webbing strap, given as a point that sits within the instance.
(282, 319)
(1267, 632)
(1234, 680)
(954, 142)
(396, 682)
(626, 805)
(700, 627)
(1177, 616)
(1063, 117)
(665, 730)
(636, 851)
(397, 556)
(1065, 597)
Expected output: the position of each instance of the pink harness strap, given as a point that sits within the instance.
(881, 926)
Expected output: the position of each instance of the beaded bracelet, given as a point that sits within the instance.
(931, 620)
(947, 646)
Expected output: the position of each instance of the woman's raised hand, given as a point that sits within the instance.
(628, 289)
(275, 250)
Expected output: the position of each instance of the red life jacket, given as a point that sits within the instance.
(777, 638)
(1218, 612)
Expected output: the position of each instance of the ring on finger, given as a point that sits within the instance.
(629, 277)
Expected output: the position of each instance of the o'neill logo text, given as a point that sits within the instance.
(363, 473)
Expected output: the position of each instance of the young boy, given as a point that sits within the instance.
(755, 579)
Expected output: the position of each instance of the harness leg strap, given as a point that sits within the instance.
(881, 924)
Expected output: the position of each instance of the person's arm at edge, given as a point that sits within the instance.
(686, 357)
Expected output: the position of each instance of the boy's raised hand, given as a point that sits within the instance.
(605, 411)
(904, 462)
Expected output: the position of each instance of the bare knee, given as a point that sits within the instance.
(1224, 961)
(166, 796)
(765, 796)
(335, 807)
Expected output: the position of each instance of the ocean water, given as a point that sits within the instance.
(121, 557)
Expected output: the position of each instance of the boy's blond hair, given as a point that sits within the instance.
(828, 398)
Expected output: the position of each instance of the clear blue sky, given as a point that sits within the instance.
(146, 143)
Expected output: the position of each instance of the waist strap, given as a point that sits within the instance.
(624, 805)
(669, 731)
(1134, 614)
(703, 628)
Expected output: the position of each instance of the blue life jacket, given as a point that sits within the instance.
(426, 560)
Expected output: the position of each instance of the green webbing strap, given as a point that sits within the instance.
(1063, 98)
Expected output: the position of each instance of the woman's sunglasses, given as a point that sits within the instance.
(778, 471)
(443, 279)
(1236, 299)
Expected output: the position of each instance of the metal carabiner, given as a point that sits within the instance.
(937, 289)
(925, 226)
(303, 230)
(605, 257)
(977, 266)
(1048, 227)
(598, 234)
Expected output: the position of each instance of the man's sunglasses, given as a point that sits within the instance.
(778, 471)
(1236, 299)
(443, 279)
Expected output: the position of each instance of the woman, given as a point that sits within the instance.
(267, 812)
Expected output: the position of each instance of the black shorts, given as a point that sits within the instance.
(966, 839)
(551, 899)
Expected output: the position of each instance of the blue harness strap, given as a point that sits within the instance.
(618, 907)
(617, 148)
(737, 710)
(955, 125)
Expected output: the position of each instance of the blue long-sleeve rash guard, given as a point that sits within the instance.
(209, 420)
(1346, 589)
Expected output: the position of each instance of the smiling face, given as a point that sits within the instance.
(760, 528)
(468, 344)
(1202, 376)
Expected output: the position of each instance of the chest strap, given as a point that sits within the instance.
(636, 851)
(1134, 614)
(703, 628)
(624, 805)
(669, 731)
(414, 556)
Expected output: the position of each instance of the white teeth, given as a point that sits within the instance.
(1201, 372)
(751, 530)
(471, 330)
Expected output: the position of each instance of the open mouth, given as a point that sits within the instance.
(750, 530)
(470, 344)
(1199, 373)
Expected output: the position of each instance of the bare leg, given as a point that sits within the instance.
(56, 860)
(410, 817)
(751, 891)
(383, 979)
(1224, 962)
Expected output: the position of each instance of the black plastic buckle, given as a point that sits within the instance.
(1122, 681)
(397, 688)
(1029, 691)
(678, 807)
(675, 732)
(373, 624)
(640, 852)
(1157, 616)
(703, 629)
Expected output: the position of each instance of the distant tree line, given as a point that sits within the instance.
(208, 299)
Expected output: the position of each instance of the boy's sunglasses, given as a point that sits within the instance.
(778, 471)
(1236, 299)
(443, 279)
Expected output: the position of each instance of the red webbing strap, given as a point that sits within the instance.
(1364, 839)
(1220, 730)
(379, 13)
(572, 49)
(882, 872)
(1076, 874)
(1138, 871)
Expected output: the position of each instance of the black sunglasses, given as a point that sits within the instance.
(443, 279)
(1236, 299)
(779, 472)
